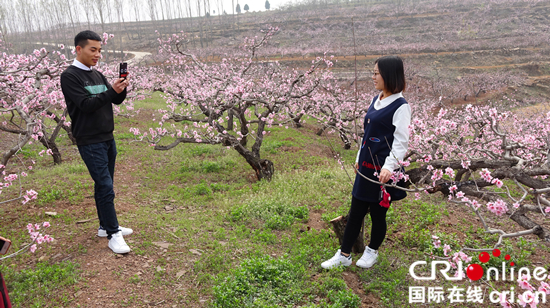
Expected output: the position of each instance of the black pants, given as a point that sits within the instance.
(353, 226)
(100, 159)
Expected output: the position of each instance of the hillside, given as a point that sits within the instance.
(439, 39)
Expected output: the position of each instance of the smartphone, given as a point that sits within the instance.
(123, 70)
(4, 245)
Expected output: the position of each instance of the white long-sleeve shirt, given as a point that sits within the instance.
(401, 121)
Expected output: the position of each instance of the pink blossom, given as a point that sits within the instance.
(486, 175)
(523, 282)
(438, 174)
(460, 256)
(498, 207)
(544, 287)
(497, 182)
(46, 224)
(33, 248)
(458, 273)
(475, 204)
(528, 298)
(450, 172)
(34, 235)
(446, 249)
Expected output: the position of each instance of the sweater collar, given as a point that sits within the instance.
(81, 66)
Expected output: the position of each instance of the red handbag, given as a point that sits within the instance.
(4, 298)
(386, 198)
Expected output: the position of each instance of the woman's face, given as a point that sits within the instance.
(377, 78)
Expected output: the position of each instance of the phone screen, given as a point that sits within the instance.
(4, 245)
(123, 71)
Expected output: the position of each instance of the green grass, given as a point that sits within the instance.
(274, 214)
(42, 285)
(261, 282)
(259, 244)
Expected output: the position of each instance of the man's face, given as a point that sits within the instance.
(89, 55)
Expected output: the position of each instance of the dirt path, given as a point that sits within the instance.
(354, 282)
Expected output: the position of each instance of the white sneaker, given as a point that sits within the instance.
(337, 260)
(103, 233)
(370, 256)
(117, 243)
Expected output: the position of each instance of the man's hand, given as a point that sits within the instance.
(385, 175)
(120, 84)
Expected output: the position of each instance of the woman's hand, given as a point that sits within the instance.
(385, 175)
(356, 167)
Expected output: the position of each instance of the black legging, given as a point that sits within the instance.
(355, 218)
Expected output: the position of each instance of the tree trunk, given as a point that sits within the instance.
(345, 140)
(263, 168)
(244, 128)
(339, 225)
(524, 221)
(61, 126)
(230, 121)
(296, 120)
(49, 144)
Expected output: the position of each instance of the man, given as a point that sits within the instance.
(89, 95)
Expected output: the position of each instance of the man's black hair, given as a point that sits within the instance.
(392, 71)
(81, 39)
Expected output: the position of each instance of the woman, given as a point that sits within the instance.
(384, 144)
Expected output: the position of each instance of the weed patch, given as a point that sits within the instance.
(261, 282)
(275, 214)
(38, 287)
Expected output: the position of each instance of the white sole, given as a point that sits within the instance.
(120, 251)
